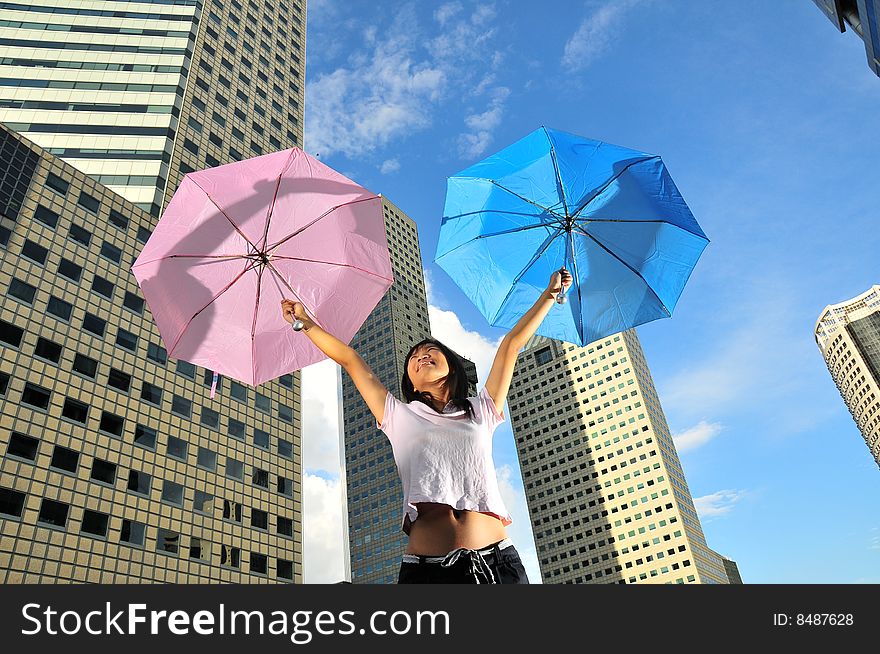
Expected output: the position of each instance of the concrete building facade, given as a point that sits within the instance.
(606, 493)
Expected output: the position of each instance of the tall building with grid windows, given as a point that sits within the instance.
(375, 500)
(848, 336)
(606, 493)
(116, 465)
(135, 94)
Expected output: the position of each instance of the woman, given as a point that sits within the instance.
(442, 443)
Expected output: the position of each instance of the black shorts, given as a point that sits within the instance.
(497, 564)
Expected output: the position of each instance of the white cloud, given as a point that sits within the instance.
(320, 417)
(698, 435)
(594, 35)
(520, 530)
(474, 143)
(323, 534)
(718, 503)
(389, 166)
(446, 11)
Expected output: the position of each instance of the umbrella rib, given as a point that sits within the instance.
(277, 274)
(188, 322)
(663, 222)
(323, 215)
(556, 170)
(220, 209)
(508, 231)
(197, 256)
(515, 194)
(522, 272)
(608, 183)
(653, 292)
(335, 263)
(275, 196)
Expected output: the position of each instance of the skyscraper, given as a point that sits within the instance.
(134, 94)
(606, 493)
(863, 17)
(848, 336)
(372, 485)
(116, 464)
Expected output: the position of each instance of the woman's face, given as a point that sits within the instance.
(426, 365)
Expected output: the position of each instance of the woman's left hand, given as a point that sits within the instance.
(559, 280)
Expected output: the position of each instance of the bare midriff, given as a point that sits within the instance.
(439, 529)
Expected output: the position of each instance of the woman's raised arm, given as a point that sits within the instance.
(369, 386)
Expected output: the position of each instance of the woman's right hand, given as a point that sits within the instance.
(293, 311)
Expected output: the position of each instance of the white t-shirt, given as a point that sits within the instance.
(445, 457)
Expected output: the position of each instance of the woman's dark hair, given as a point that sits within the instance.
(456, 381)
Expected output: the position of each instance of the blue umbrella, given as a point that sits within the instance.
(610, 215)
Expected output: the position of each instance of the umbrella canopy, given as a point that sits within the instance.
(237, 239)
(612, 216)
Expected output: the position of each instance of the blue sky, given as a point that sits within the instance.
(766, 119)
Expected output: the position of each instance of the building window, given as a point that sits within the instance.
(238, 391)
(75, 410)
(88, 202)
(284, 569)
(133, 302)
(65, 459)
(103, 471)
(53, 513)
(285, 526)
(230, 556)
(67, 268)
(57, 184)
(139, 482)
(132, 532)
(258, 563)
(176, 448)
(203, 502)
(102, 287)
(167, 541)
(198, 549)
(48, 350)
(80, 234)
(543, 356)
(22, 291)
(210, 418)
(59, 308)
(157, 353)
(207, 459)
(94, 523)
(236, 429)
(261, 439)
(34, 252)
(285, 486)
(111, 423)
(234, 469)
(11, 334)
(285, 413)
(119, 380)
(11, 502)
(46, 216)
(264, 403)
(285, 448)
(286, 381)
(143, 234)
(259, 519)
(186, 369)
(145, 437)
(111, 252)
(151, 394)
(181, 406)
(23, 446)
(91, 323)
(126, 340)
(260, 478)
(117, 219)
(232, 511)
(172, 493)
(85, 366)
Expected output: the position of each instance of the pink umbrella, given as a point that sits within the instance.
(237, 239)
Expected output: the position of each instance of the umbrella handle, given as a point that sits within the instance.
(561, 298)
(298, 325)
